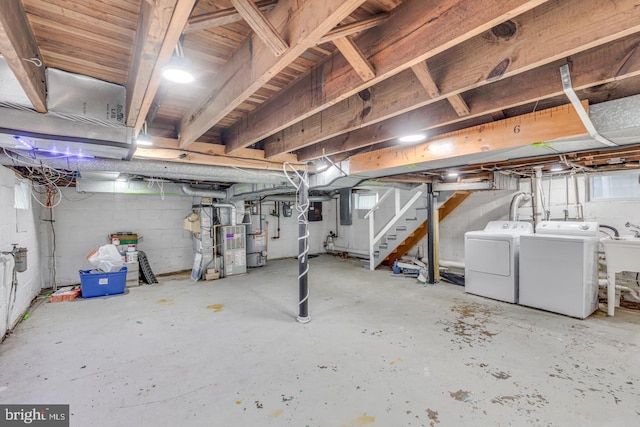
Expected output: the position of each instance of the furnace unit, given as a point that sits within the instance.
(232, 243)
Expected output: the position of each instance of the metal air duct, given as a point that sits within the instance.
(154, 168)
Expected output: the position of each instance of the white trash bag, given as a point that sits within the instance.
(106, 258)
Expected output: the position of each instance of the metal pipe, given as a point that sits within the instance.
(515, 203)
(578, 205)
(198, 192)
(431, 229)
(292, 198)
(538, 208)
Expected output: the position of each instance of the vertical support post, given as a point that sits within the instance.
(372, 261)
(303, 249)
(431, 220)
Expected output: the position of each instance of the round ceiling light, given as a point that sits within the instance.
(412, 138)
(178, 70)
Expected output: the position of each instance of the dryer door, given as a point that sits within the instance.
(488, 256)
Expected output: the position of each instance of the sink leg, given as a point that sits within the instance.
(611, 294)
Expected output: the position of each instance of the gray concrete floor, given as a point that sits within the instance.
(379, 351)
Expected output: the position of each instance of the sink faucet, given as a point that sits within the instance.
(636, 231)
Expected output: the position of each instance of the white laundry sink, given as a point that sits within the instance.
(623, 254)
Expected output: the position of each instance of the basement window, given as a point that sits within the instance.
(614, 186)
(22, 196)
(365, 201)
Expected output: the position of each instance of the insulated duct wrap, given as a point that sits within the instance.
(159, 169)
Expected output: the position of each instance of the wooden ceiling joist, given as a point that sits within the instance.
(590, 69)
(260, 25)
(253, 65)
(423, 75)
(222, 17)
(20, 49)
(459, 105)
(213, 154)
(353, 28)
(356, 58)
(159, 29)
(414, 31)
(545, 125)
(474, 63)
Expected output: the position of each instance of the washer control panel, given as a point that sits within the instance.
(509, 227)
(568, 228)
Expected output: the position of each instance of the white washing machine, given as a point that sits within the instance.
(491, 260)
(559, 268)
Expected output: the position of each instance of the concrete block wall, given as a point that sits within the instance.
(84, 220)
(27, 235)
(473, 214)
(286, 246)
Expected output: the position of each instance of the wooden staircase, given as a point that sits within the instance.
(419, 233)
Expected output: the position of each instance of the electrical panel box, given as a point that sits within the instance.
(315, 211)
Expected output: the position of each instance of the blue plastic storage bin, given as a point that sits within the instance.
(98, 284)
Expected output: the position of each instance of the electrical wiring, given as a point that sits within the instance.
(160, 183)
(42, 175)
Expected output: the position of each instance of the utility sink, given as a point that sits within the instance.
(623, 254)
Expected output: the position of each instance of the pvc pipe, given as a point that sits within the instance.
(604, 283)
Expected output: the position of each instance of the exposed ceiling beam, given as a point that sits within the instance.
(421, 70)
(474, 63)
(302, 24)
(354, 27)
(458, 104)
(222, 17)
(356, 58)
(414, 31)
(213, 154)
(160, 26)
(423, 75)
(545, 125)
(605, 64)
(261, 25)
(19, 48)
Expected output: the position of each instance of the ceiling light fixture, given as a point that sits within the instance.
(556, 168)
(321, 164)
(178, 70)
(453, 175)
(413, 138)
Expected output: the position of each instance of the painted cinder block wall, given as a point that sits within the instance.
(21, 226)
(83, 222)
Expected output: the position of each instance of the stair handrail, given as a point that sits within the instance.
(399, 212)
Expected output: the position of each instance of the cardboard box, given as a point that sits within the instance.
(211, 274)
(98, 283)
(123, 239)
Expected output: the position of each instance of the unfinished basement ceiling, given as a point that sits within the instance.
(293, 81)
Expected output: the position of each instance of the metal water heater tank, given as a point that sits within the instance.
(256, 240)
